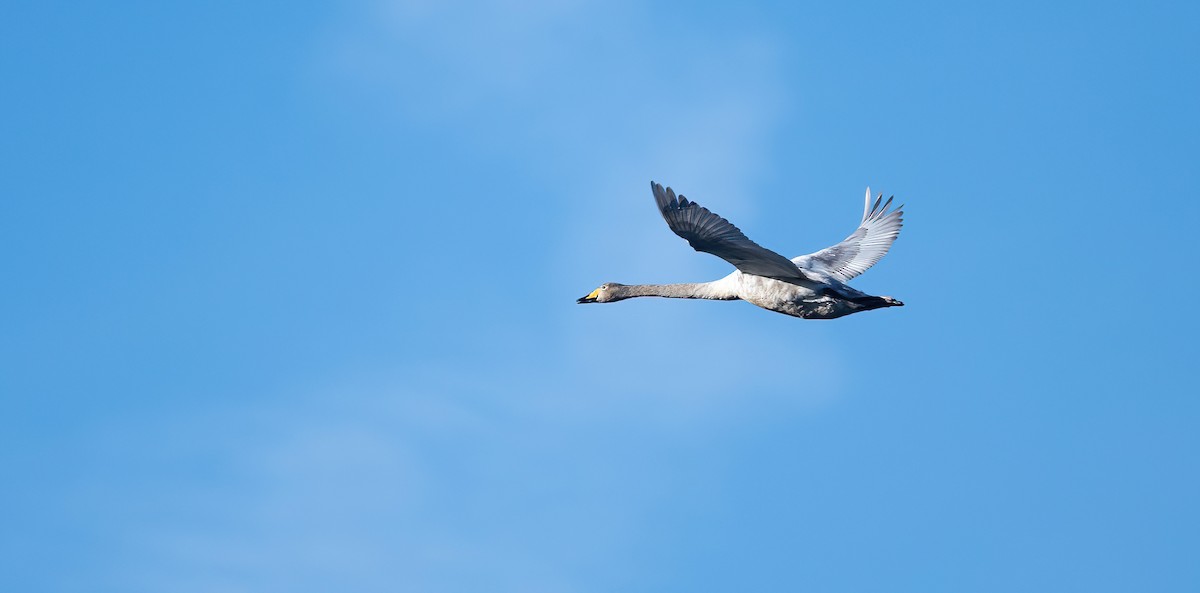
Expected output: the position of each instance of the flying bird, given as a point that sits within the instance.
(811, 286)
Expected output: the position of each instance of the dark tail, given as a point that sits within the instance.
(876, 302)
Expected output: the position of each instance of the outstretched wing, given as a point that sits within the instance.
(710, 233)
(865, 246)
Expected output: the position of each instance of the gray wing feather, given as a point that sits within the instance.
(710, 233)
(865, 246)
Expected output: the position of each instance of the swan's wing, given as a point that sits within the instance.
(865, 246)
(710, 233)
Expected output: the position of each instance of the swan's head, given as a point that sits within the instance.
(607, 293)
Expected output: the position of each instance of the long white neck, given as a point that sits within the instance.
(690, 290)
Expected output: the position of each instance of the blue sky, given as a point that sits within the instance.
(290, 298)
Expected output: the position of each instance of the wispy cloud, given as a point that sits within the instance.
(585, 85)
(424, 480)
(535, 466)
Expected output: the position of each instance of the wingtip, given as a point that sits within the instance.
(886, 204)
(665, 197)
(660, 195)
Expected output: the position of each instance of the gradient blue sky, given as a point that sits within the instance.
(289, 298)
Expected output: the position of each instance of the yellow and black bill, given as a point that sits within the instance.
(590, 298)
